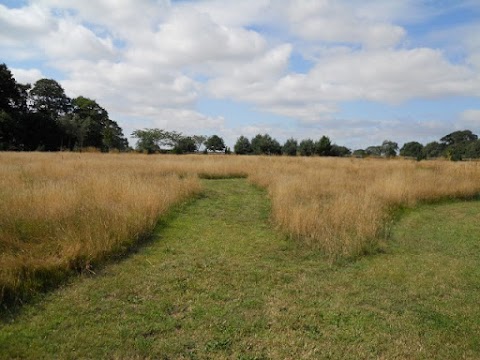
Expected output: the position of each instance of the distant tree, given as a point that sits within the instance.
(307, 147)
(113, 137)
(434, 150)
(457, 144)
(199, 140)
(340, 151)
(290, 147)
(323, 147)
(48, 97)
(266, 145)
(389, 148)
(374, 151)
(40, 132)
(457, 137)
(13, 109)
(242, 146)
(185, 145)
(149, 140)
(473, 150)
(11, 98)
(93, 118)
(215, 143)
(412, 149)
(360, 153)
(9, 132)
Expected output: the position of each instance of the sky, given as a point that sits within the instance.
(359, 72)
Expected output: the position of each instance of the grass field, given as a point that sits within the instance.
(66, 213)
(217, 282)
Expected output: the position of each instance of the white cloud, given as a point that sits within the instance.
(190, 38)
(390, 76)
(470, 119)
(71, 40)
(152, 61)
(27, 76)
(334, 22)
(29, 22)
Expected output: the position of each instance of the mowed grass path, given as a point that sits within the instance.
(217, 282)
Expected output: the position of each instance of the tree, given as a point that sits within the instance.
(412, 149)
(13, 108)
(10, 91)
(265, 145)
(40, 132)
(48, 96)
(457, 137)
(242, 146)
(306, 147)
(323, 147)
(184, 145)
(360, 153)
(374, 151)
(457, 144)
(148, 139)
(199, 140)
(433, 150)
(113, 137)
(94, 119)
(215, 143)
(473, 150)
(389, 148)
(290, 147)
(339, 151)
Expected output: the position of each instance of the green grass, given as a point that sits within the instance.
(218, 282)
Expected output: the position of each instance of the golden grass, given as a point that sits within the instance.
(342, 206)
(66, 211)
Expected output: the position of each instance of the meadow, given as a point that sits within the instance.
(64, 213)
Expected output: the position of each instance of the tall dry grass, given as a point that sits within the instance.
(342, 206)
(63, 212)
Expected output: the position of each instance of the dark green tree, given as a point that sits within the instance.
(340, 151)
(40, 132)
(47, 96)
(12, 95)
(290, 147)
(457, 144)
(434, 150)
(113, 137)
(473, 150)
(412, 149)
(457, 137)
(306, 147)
(13, 108)
(323, 147)
(242, 146)
(215, 143)
(185, 145)
(265, 145)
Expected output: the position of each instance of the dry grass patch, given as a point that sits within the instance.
(64, 212)
(342, 206)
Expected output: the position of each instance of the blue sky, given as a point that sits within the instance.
(358, 72)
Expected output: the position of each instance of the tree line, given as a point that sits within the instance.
(42, 117)
(458, 145)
